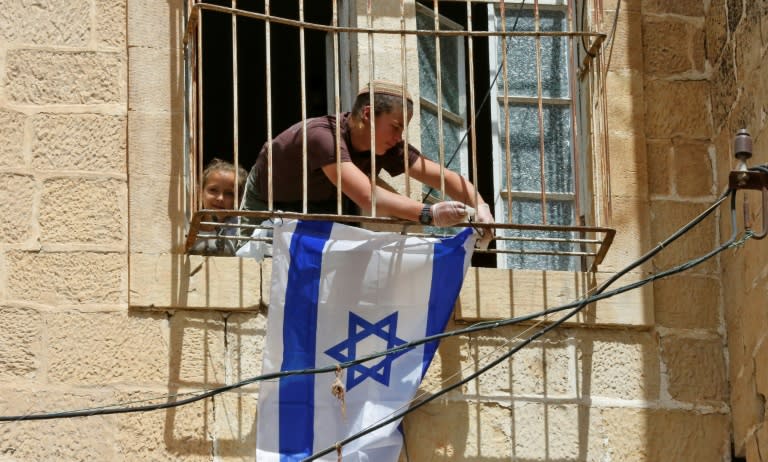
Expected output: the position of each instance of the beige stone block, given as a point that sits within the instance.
(197, 349)
(157, 219)
(648, 435)
(757, 446)
(540, 430)
(67, 277)
(234, 426)
(618, 364)
(169, 280)
(266, 281)
(626, 111)
(21, 335)
(119, 348)
(659, 167)
(157, 145)
(751, 450)
(16, 216)
(747, 407)
(453, 355)
(12, 134)
(687, 435)
(687, 302)
(724, 159)
(157, 80)
(761, 366)
(155, 24)
(64, 77)
(245, 336)
(715, 30)
(627, 53)
(669, 216)
(618, 433)
(723, 86)
(695, 369)
(693, 169)
(474, 431)
(630, 5)
(682, 7)
(178, 433)
(79, 210)
(91, 438)
(669, 44)
(440, 430)
(754, 316)
(111, 22)
(630, 219)
(89, 142)
(542, 368)
(734, 293)
(629, 166)
(677, 108)
(489, 293)
(763, 21)
(46, 23)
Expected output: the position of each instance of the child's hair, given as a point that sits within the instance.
(217, 164)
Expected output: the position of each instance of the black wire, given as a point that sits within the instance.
(582, 21)
(581, 305)
(599, 294)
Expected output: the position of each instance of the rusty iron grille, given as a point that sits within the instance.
(526, 204)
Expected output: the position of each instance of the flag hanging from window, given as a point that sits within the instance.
(339, 293)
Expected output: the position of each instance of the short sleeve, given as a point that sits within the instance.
(321, 145)
(394, 160)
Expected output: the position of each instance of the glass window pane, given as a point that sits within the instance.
(451, 136)
(521, 53)
(451, 54)
(525, 148)
(529, 212)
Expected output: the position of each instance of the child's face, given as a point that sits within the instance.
(219, 190)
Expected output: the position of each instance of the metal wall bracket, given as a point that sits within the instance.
(749, 178)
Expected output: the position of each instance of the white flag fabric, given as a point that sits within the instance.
(339, 293)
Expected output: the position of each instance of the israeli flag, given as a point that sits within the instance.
(340, 293)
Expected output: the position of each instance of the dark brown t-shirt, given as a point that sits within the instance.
(287, 164)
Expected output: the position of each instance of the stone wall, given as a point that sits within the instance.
(737, 40)
(99, 305)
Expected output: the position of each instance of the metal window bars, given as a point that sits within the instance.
(588, 238)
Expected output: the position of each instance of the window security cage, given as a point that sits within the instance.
(510, 94)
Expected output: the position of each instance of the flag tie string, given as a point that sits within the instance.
(337, 389)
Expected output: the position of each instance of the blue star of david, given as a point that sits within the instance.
(358, 329)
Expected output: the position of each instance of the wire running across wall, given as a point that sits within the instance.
(551, 196)
(602, 292)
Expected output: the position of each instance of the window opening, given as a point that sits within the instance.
(535, 149)
(533, 122)
(443, 124)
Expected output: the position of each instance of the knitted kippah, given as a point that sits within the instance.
(385, 87)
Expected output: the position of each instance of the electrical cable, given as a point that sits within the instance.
(612, 35)
(399, 415)
(581, 305)
(582, 23)
(119, 409)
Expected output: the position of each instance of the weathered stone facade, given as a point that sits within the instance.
(99, 304)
